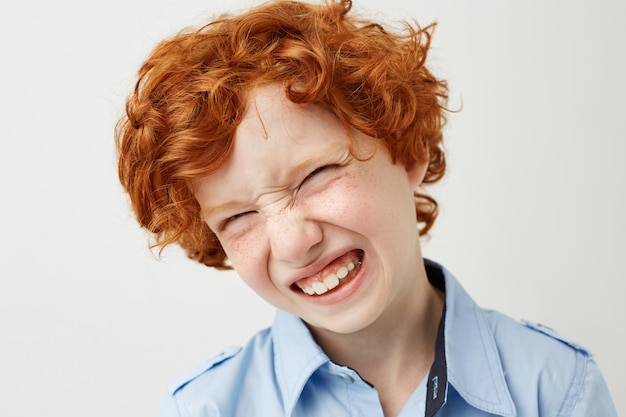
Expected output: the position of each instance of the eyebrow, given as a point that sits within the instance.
(330, 152)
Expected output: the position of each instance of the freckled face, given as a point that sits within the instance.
(310, 228)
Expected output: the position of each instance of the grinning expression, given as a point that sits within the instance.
(309, 227)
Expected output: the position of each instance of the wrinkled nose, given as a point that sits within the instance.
(293, 238)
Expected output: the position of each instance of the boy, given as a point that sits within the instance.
(288, 143)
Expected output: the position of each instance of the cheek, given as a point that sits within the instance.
(247, 253)
(372, 202)
(339, 204)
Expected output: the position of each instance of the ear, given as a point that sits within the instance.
(416, 172)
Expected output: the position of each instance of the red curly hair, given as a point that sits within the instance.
(192, 91)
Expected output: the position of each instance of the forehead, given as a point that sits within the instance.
(276, 141)
(277, 132)
(271, 115)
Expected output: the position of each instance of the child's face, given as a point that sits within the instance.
(297, 215)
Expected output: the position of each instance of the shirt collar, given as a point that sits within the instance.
(296, 357)
(472, 362)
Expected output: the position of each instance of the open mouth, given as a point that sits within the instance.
(334, 276)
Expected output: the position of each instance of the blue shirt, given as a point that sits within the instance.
(485, 364)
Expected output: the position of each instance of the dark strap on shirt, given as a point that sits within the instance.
(437, 384)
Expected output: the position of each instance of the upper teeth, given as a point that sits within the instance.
(330, 281)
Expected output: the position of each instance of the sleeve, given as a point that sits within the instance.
(594, 398)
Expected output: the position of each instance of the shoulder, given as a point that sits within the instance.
(186, 388)
(545, 368)
(534, 337)
(227, 367)
(534, 340)
(535, 350)
(216, 386)
(205, 367)
(553, 335)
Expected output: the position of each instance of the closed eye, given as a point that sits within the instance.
(235, 217)
(320, 170)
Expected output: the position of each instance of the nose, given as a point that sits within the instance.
(293, 237)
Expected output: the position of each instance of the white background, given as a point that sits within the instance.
(532, 221)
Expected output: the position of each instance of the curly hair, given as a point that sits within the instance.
(191, 95)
